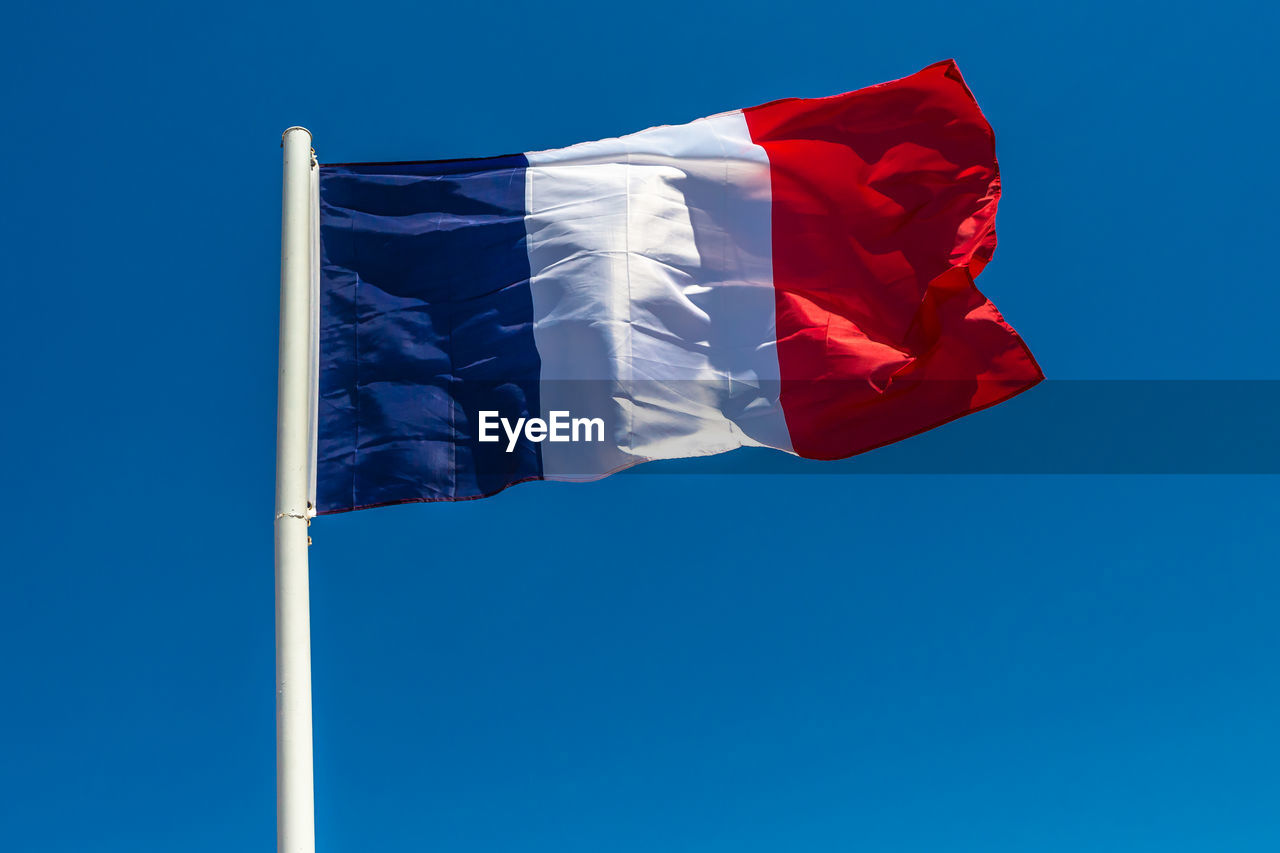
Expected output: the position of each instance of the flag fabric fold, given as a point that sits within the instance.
(798, 275)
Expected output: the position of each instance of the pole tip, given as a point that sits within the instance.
(291, 130)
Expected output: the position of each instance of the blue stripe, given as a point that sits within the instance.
(426, 318)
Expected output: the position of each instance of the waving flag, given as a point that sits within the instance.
(797, 275)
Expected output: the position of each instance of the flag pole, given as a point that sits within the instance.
(295, 808)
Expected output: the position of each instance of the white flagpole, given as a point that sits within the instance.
(295, 805)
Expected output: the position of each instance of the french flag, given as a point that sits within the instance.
(797, 275)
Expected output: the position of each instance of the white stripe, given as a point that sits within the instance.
(653, 300)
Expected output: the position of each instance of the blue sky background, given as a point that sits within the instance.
(651, 663)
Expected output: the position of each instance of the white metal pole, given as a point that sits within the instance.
(295, 806)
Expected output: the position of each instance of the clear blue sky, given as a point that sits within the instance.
(651, 663)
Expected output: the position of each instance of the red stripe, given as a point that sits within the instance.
(884, 205)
